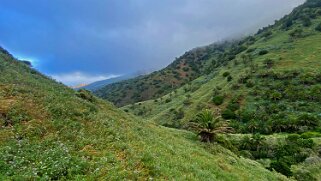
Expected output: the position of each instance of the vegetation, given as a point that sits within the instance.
(265, 87)
(51, 132)
(209, 126)
(267, 84)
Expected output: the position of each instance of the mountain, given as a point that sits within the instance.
(192, 65)
(79, 86)
(99, 84)
(258, 97)
(183, 70)
(278, 67)
(51, 132)
(269, 87)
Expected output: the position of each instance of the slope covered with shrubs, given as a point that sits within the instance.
(51, 132)
(270, 85)
(157, 84)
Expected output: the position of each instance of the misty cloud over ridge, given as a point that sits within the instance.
(100, 37)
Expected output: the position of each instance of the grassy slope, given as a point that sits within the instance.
(49, 131)
(301, 54)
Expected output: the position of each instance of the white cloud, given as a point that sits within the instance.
(76, 78)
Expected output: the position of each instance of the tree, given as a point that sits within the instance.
(209, 126)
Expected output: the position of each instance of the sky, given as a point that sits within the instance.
(82, 41)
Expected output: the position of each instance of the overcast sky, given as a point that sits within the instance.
(81, 41)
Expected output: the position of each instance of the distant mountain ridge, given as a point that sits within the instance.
(100, 84)
(183, 70)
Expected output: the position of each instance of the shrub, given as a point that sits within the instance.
(185, 69)
(296, 33)
(307, 135)
(250, 84)
(228, 114)
(225, 74)
(267, 34)
(179, 114)
(86, 95)
(282, 167)
(287, 24)
(233, 106)
(303, 175)
(318, 27)
(229, 78)
(306, 21)
(218, 100)
(263, 52)
(187, 102)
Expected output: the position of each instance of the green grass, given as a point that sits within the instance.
(49, 131)
(52, 132)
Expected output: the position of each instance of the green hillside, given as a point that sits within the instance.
(255, 103)
(271, 86)
(51, 132)
(276, 68)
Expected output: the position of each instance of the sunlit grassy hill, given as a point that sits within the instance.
(50, 132)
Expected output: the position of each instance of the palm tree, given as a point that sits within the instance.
(209, 126)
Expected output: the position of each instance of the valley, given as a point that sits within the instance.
(243, 109)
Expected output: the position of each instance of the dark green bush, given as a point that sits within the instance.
(282, 166)
(263, 52)
(228, 114)
(218, 100)
(229, 78)
(185, 69)
(250, 83)
(225, 74)
(318, 27)
(233, 106)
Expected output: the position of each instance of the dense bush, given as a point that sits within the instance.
(229, 78)
(228, 114)
(263, 52)
(292, 150)
(296, 33)
(168, 100)
(318, 27)
(218, 100)
(225, 74)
